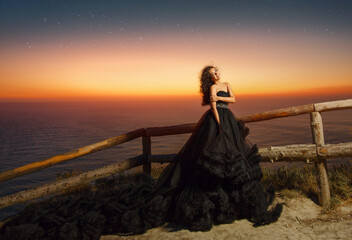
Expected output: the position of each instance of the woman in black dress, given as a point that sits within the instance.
(214, 179)
(216, 175)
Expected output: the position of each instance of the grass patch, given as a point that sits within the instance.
(299, 179)
(303, 180)
(157, 169)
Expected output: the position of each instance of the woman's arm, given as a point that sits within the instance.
(230, 99)
(213, 105)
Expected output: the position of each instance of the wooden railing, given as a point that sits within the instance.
(317, 152)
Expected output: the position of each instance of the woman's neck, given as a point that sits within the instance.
(218, 83)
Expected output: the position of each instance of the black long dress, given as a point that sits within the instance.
(214, 179)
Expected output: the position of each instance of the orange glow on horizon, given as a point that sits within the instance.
(269, 65)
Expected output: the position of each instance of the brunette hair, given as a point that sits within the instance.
(205, 84)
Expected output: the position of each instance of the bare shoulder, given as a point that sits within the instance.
(229, 88)
(212, 89)
(227, 84)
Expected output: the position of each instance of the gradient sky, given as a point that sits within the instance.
(109, 49)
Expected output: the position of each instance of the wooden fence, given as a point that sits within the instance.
(317, 152)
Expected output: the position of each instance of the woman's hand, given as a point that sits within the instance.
(214, 98)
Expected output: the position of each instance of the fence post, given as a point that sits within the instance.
(147, 149)
(320, 164)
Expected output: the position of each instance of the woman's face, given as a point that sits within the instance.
(214, 74)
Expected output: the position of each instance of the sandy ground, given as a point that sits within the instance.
(301, 219)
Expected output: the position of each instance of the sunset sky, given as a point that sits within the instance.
(110, 49)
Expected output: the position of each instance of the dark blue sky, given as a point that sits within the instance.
(24, 20)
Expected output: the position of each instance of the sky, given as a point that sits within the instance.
(137, 49)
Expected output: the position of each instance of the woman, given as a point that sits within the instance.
(216, 175)
(214, 179)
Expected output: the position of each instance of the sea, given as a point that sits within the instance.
(36, 130)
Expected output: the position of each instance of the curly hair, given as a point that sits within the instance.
(205, 84)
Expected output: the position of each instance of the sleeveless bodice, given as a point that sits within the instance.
(221, 104)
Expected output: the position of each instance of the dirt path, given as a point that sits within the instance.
(301, 219)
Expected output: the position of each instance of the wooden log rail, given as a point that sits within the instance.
(289, 153)
(298, 110)
(70, 182)
(317, 152)
(13, 173)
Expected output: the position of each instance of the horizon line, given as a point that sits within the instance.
(169, 96)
